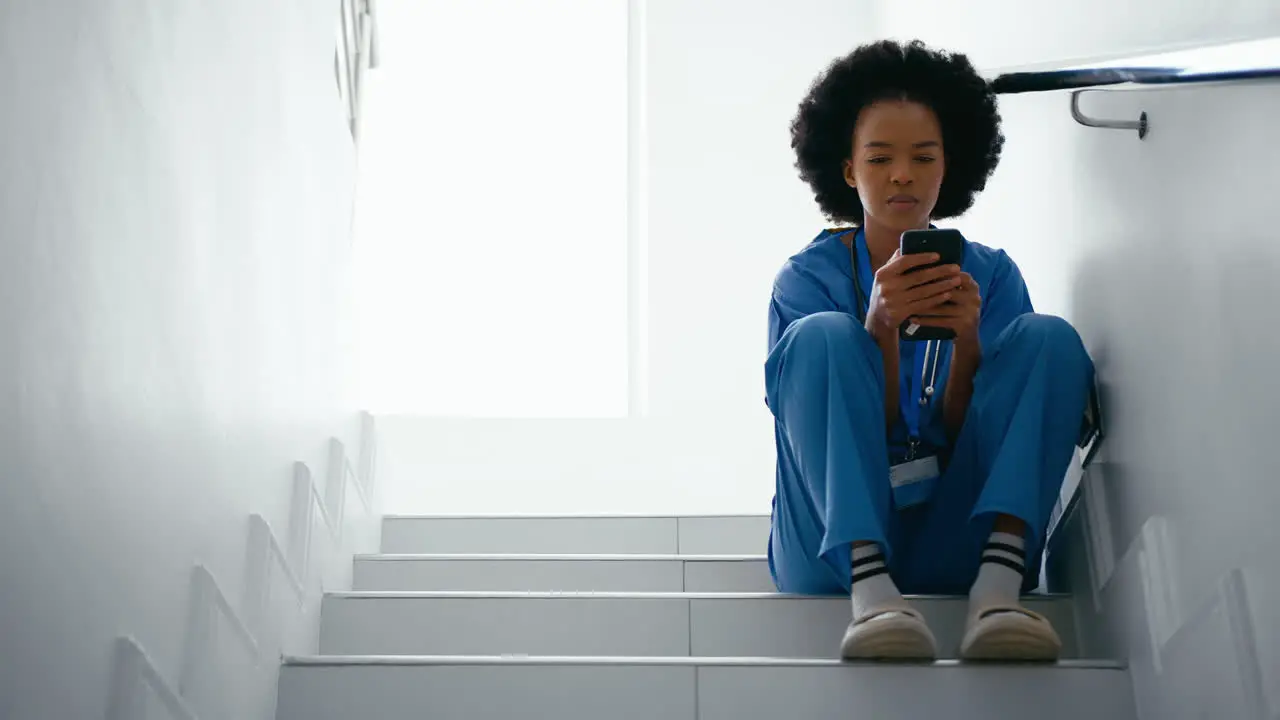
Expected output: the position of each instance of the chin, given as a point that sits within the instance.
(901, 223)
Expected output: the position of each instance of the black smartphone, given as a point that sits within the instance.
(949, 246)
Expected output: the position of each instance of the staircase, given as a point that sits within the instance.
(638, 617)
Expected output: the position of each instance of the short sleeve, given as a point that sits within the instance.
(1006, 299)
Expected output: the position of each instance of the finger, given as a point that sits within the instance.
(942, 272)
(926, 306)
(924, 302)
(927, 290)
(967, 296)
(947, 311)
(968, 291)
(903, 263)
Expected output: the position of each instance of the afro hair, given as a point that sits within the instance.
(822, 131)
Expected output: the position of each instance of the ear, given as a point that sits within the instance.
(848, 174)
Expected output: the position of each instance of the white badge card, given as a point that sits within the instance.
(913, 482)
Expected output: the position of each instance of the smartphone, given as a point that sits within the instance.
(949, 246)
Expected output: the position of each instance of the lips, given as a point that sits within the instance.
(903, 200)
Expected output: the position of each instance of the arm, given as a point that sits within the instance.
(896, 296)
(796, 295)
(978, 322)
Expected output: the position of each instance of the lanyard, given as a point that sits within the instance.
(860, 258)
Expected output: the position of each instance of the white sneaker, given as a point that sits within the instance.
(1010, 633)
(895, 633)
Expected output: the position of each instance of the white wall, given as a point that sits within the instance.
(725, 209)
(1163, 258)
(174, 193)
(1163, 253)
(1168, 259)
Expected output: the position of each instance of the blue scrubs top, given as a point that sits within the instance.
(819, 279)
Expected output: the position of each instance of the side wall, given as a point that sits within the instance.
(175, 184)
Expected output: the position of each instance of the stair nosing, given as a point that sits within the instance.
(626, 595)
(539, 660)
(566, 557)
(602, 516)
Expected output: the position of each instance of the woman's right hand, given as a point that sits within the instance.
(897, 296)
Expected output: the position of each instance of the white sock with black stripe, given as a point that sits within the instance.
(1004, 562)
(873, 589)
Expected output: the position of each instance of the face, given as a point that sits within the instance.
(897, 163)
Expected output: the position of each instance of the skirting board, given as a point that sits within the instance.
(139, 691)
(231, 656)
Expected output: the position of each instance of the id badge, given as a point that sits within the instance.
(913, 481)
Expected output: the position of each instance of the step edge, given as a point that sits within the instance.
(560, 557)
(621, 595)
(683, 661)
(553, 516)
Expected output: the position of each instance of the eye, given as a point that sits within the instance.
(879, 160)
(925, 158)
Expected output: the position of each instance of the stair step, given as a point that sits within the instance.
(620, 534)
(453, 688)
(605, 573)
(622, 624)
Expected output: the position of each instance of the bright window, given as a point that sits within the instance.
(491, 222)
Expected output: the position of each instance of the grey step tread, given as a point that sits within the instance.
(585, 516)
(622, 623)
(579, 557)
(591, 595)
(694, 689)
(668, 572)
(678, 660)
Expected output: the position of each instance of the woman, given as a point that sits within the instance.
(908, 466)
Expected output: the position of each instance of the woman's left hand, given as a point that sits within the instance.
(960, 315)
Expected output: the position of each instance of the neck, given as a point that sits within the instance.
(883, 241)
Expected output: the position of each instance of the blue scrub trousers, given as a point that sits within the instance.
(825, 386)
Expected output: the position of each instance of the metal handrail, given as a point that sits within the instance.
(1083, 80)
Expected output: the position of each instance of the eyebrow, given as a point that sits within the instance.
(925, 144)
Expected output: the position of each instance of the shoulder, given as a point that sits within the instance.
(1000, 282)
(985, 256)
(988, 264)
(818, 264)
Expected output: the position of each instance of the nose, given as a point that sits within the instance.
(901, 174)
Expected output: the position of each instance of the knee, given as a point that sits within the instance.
(824, 330)
(815, 346)
(1048, 331)
(1046, 336)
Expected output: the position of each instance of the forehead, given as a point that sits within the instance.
(896, 122)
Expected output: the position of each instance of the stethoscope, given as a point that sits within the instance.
(931, 347)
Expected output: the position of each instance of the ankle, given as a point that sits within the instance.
(1000, 576)
(872, 588)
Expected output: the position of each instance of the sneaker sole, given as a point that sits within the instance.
(1011, 641)
(898, 639)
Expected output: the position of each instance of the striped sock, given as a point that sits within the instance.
(1004, 562)
(872, 587)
